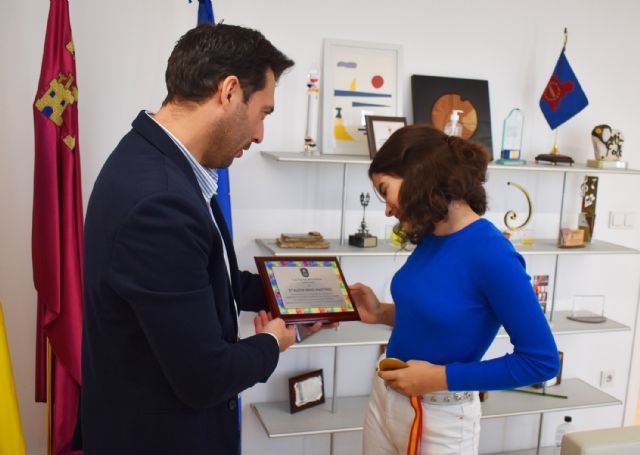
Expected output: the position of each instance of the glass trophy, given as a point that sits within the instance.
(587, 308)
(512, 139)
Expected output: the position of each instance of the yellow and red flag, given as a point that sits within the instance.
(11, 436)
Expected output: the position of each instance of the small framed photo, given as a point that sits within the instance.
(306, 289)
(306, 390)
(379, 128)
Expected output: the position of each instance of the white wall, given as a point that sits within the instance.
(122, 47)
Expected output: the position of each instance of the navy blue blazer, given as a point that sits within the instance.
(161, 362)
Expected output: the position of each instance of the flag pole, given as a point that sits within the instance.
(555, 150)
(561, 99)
(49, 399)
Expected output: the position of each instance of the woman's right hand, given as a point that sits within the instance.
(368, 305)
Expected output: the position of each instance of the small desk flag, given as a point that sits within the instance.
(563, 96)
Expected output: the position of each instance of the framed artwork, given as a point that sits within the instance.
(306, 289)
(435, 97)
(306, 390)
(359, 79)
(379, 128)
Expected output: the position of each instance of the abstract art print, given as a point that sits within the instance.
(360, 79)
(435, 98)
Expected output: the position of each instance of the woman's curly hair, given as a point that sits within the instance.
(436, 169)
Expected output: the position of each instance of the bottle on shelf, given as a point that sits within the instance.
(453, 126)
(563, 428)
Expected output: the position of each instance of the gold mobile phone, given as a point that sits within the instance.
(391, 363)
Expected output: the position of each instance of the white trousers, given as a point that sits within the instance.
(448, 429)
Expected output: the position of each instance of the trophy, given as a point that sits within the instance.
(526, 237)
(313, 96)
(587, 216)
(363, 238)
(512, 139)
(607, 148)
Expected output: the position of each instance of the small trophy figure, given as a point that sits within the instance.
(607, 148)
(313, 96)
(363, 238)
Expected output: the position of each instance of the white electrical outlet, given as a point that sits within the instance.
(622, 220)
(629, 220)
(607, 378)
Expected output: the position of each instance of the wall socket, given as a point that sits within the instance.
(607, 378)
(622, 220)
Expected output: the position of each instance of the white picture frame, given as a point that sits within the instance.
(371, 72)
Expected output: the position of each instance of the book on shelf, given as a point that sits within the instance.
(312, 239)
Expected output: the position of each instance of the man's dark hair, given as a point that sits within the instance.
(207, 54)
(436, 169)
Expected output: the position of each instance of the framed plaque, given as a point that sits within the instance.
(306, 390)
(306, 289)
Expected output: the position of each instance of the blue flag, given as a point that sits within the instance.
(563, 96)
(205, 12)
(223, 197)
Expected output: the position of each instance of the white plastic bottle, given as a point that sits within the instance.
(453, 126)
(563, 428)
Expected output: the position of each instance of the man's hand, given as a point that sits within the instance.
(286, 335)
(418, 378)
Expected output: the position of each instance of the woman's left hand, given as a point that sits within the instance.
(419, 378)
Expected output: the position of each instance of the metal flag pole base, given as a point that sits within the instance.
(49, 398)
(554, 157)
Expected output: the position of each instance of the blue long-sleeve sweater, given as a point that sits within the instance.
(453, 294)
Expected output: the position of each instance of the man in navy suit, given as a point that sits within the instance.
(162, 364)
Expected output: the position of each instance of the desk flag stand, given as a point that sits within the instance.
(562, 98)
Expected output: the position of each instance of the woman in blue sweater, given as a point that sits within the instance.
(461, 283)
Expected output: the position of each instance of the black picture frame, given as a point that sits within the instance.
(429, 97)
(373, 124)
(297, 402)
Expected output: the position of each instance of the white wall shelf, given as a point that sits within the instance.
(300, 157)
(563, 326)
(359, 334)
(505, 403)
(543, 451)
(349, 416)
(386, 248)
(295, 157)
(351, 333)
(278, 422)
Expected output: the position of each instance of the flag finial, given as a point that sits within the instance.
(566, 37)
